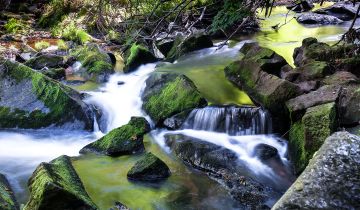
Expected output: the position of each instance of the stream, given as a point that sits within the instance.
(105, 177)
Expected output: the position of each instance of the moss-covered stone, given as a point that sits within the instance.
(149, 168)
(57, 186)
(136, 56)
(307, 135)
(168, 94)
(127, 139)
(182, 45)
(29, 99)
(97, 64)
(47, 60)
(313, 70)
(7, 198)
(55, 73)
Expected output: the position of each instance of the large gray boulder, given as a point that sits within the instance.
(331, 180)
(7, 198)
(314, 18)
(344, 10)
(29, 99)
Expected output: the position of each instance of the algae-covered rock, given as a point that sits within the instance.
(29, 99)
(46, 60)
(96, 64)
(138, 55)
(340, 78)
(331, 180)
(312, 71)
(7, 198)
(308, 134)
(168, 94)
(125, 140)
(149, 168)
(57, 186)
(185, 45)
(311, 50)
(265, 89)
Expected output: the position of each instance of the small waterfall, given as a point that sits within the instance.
(233, 120)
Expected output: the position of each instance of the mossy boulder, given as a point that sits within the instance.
(47, 60)
(265, 89)
(7, 198)
(314, 70)
(331, 180)
(269, 61)
(96, 64)
(57, 186)
(311, 50)
(137, 55)
(184, 45)
(167, 94)
(54, 73)
(29, 99)
(126, 140)
(149, 168)
(340, 78)
(308, 134)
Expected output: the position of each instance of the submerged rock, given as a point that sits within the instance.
(125, 140)
(265, 152)
(185, 45)
(224, 166)
(343, 10)
(57, 186)
(7, 198)
(29, 99)
(46, 61)
(96, 64)
(314, 18)
(149, 168)
(137, 55)
(331, 180)
(308, 134)
(167, 94)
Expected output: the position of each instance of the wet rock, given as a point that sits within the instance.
(265, 89)
(224, 166)
(185, 45)
(314, 18)
(343, 10)
(308, 86)
(311, 50)
(323, 95)
(303, 6)
(167, 94)
(96, 65)
(125, 140)
(270, 61)
(28, 99)
(119, 206)
(7, 198)
(149, 168)
(175, 122)
(265, 152)
(165, 45)
(349, 105)
(57, 186)
(46, 61)
(54, 73)
(120, 82)
(308, 134)
(331, 180)
(340, 78)
(137, 55)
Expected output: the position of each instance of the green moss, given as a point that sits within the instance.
(73, 33)
(42, 45)
(61, 44)
(55, 12)
(176, 96)
(93, 59)
(121, 141)
(13, 26)
(7, 199)
(138, 55)
(307, 136)
(56, 186)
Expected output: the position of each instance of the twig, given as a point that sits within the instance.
(238, 28)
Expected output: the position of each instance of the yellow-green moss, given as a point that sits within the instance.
(42, 45)
(7, 199)
(13, 25)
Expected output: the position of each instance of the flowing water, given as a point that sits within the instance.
(232, 127)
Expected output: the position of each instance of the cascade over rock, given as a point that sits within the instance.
(29, 99)
(331, 180)
(233, 120)
(57, 186)
(7, 198)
